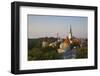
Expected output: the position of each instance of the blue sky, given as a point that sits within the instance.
(49, 26)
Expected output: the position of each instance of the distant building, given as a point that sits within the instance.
(58, 38)
(45, 43)
(53, 44)
(84, 43)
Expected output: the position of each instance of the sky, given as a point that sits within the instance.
(49, 26)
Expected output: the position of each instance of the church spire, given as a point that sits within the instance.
(70, 29)
(70, 33)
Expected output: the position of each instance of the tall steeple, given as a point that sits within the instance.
(70, 33)
(70, 29)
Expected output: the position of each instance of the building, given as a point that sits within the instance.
(63, 45)
(45, 43)
(70, 34)
(67, 41)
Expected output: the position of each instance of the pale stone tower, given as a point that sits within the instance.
(70, 34)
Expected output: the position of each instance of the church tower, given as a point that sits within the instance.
(70, 33)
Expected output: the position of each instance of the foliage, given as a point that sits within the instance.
(82, 52)
(34, 43)
(36, 52)
(47, 53)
